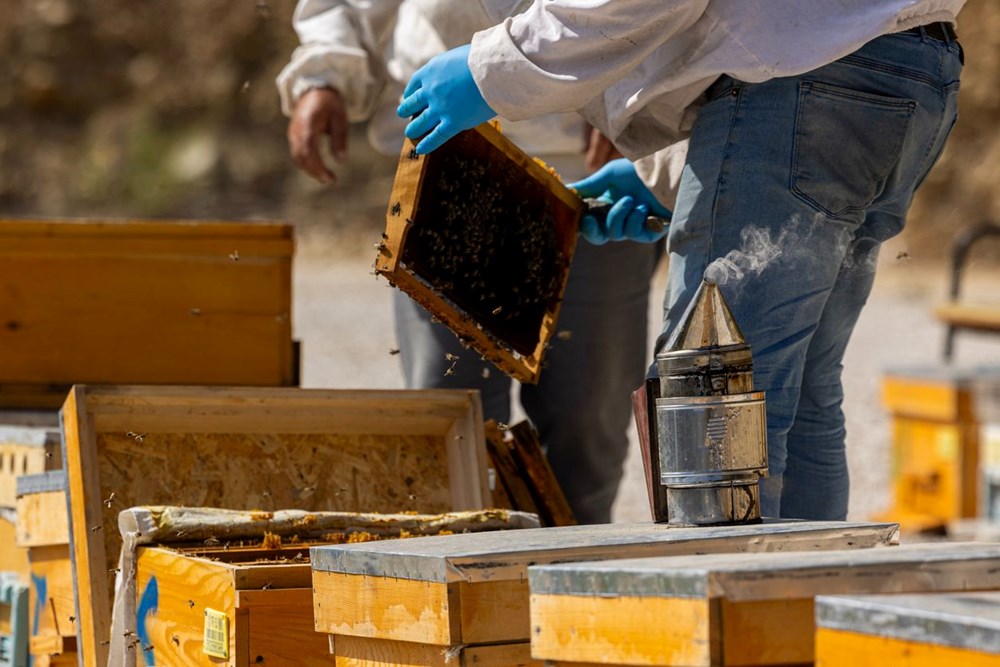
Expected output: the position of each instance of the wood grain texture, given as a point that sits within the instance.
(186, 587)
(551, 501)
(623, 630)
(13, 557)
(280, 627)
(406, 610)
(835, 648)
(154, 302)
(257, 449)
(357, 652)
(42, 519)
(51, 567)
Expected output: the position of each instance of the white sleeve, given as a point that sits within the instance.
(343, 45)
(661, 172)
(559, 54)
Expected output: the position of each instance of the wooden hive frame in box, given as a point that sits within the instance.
(264, 449)
(518, 344)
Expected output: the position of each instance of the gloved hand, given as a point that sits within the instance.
(445, 100)
(617, 183)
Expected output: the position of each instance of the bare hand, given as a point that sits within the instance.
(319, 112)
(599, 151)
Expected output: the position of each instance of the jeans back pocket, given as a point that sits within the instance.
(846, 145)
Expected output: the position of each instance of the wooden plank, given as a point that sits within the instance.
(756, 593)
(527, 450)
(508, 475)
(361, 606)
(969, 316)
(410, 200)
(357, 652)
(632, 631)
(928, 394)
(280, 627)
(478, 581)
(750, 632)
(29, 444)
(54, 613)
(87, 546)
(835, 648)
(180, 303)
(255, 449)
(42, 519)
(13, 558)
(964, 621)
(178, 590)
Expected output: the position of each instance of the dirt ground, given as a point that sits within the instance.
(343, 319)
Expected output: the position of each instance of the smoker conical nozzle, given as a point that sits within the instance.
(707, 322)
(706, 355)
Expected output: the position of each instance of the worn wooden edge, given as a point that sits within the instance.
(200, 409)
(761, 576)
(403, 205)
(527, 450)
(508, 477)
(359, 652)
(623, 630)
(493, 556)
(104, 227)
(465, 443)
(86, 544)
(959, 620)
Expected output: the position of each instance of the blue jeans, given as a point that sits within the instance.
(791, 186)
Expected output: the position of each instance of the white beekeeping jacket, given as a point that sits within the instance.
(636, 68)
(368, 49)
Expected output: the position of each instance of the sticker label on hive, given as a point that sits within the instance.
(216, 643)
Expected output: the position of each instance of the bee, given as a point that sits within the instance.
(191, 604)
(235, 255)
(393, 351)
(109, 500)
(397, 208)
(138, 437)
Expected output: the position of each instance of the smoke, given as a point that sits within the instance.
(762, 247)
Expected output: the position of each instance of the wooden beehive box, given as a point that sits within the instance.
(466, 596)
(142, 302)
(255, 596)
(29, 444)
(482, 236)
(908, 630)
(43, 529)
(266, 449)
(751, 609)
(935, 442)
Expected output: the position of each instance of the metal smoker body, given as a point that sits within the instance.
(710, 425)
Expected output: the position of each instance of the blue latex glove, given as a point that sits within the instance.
(445, 100)
(616, 182)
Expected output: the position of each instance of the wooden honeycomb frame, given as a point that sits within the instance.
(409, 195)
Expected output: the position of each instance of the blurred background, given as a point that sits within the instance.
(168, 109)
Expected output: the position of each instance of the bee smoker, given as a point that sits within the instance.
(706, 448)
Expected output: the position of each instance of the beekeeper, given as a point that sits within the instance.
(811, 125)
(354, 59)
